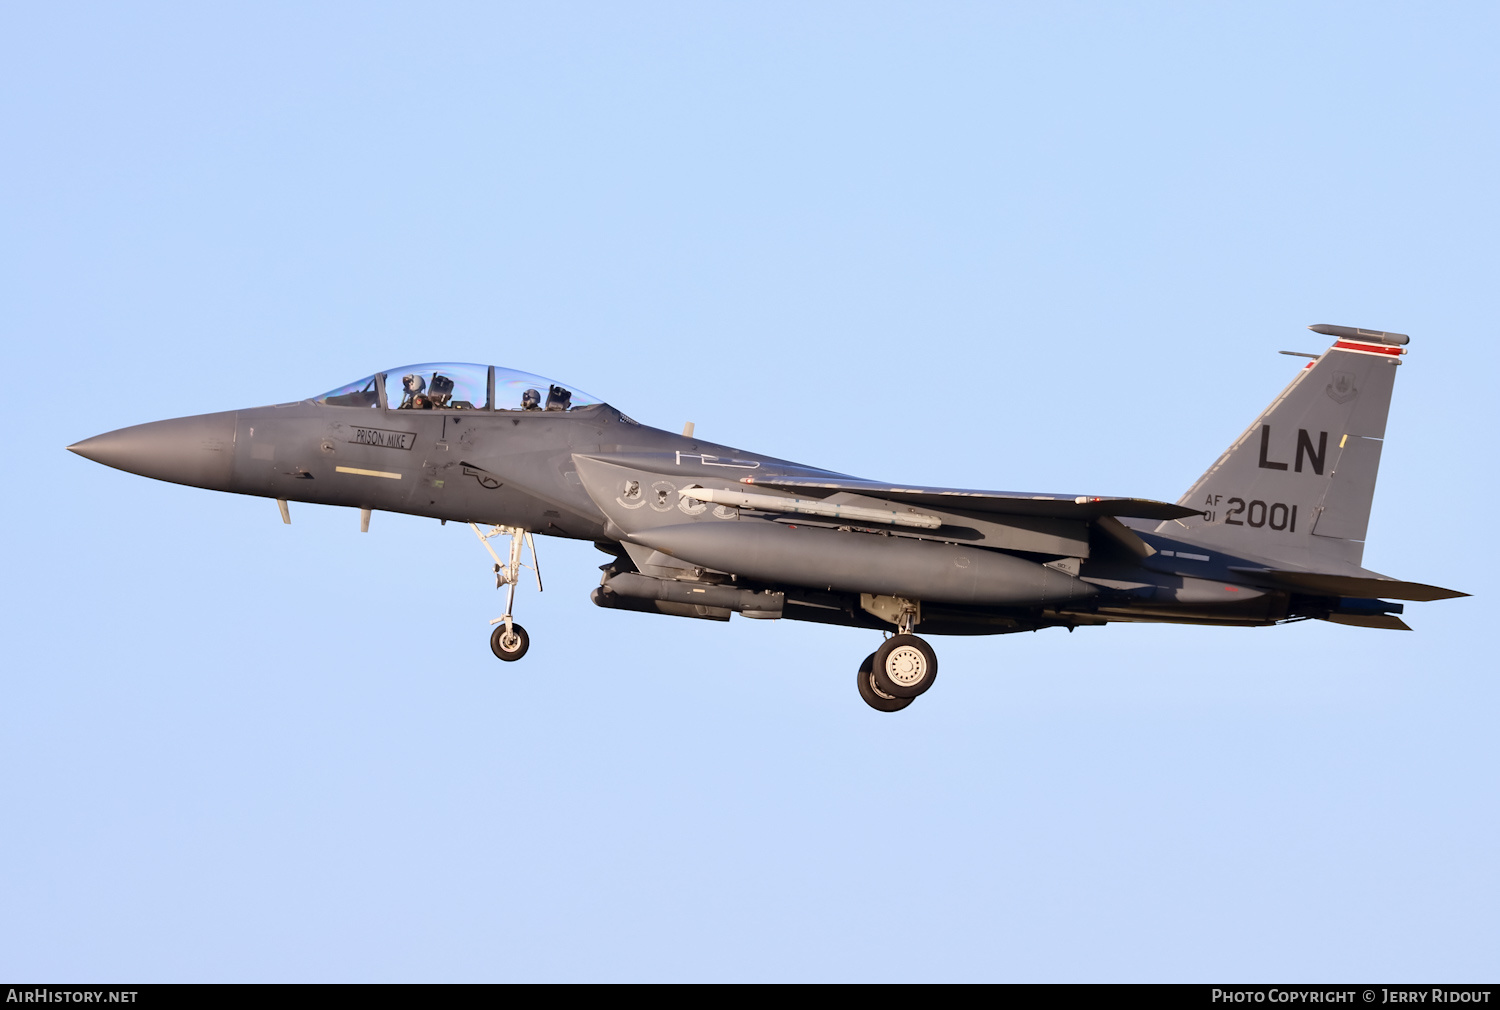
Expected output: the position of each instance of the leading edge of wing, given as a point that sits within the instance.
(1002, 502)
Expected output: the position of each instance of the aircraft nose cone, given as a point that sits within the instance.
(196, 450)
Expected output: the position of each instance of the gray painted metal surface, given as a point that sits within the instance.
(856, 562)
(1272, 531)
(1298, 484)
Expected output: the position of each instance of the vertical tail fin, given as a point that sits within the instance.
(1296, 487)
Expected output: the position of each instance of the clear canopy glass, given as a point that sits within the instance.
(360, 393)
(459, 386)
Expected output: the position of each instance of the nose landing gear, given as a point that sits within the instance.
(509, 641)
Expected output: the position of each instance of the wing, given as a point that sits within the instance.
(1000, 502)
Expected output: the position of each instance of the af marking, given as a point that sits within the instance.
(1277, 515)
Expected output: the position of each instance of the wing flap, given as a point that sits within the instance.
(1001, 502)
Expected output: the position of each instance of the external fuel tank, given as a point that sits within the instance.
(855, 562)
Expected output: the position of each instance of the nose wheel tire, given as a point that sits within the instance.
(509, 647)
(879, 702)
(904, 667)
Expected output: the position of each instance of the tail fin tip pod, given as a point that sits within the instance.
(1356, 334)
(1297, 485)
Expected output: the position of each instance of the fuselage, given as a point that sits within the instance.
(520, 468)
(1273, 531)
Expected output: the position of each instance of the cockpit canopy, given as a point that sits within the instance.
(458, 386)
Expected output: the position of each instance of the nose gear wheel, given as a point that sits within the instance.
(509, 642)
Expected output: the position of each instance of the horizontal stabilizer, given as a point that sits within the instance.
(1389, 622)
(1348, 585)
(1002, 502)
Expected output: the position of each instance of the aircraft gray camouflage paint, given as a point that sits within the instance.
(1273, 532)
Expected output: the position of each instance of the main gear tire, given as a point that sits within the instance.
(509, 647)
(904, 667)
(879, 702)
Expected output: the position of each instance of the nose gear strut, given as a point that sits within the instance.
(510, 641)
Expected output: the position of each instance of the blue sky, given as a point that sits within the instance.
(1045, 247)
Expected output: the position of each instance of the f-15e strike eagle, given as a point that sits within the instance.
(1272, 532)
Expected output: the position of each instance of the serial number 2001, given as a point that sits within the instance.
(1257, 513)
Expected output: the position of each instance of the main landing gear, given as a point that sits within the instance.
(903, 667)
(871, 694)
(509, 640)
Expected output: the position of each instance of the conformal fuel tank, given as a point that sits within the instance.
(864, 563)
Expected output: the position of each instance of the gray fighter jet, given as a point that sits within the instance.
(1273, 532)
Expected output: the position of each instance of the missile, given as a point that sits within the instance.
(812, 507)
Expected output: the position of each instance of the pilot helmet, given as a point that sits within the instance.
(413, 384)
(530, 398)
